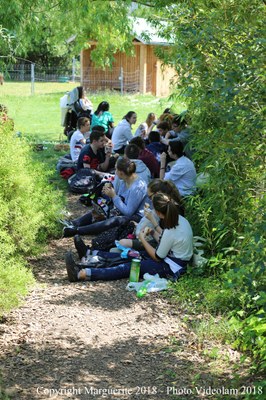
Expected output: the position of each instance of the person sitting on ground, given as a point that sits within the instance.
(155, 145)
(169, 259)
(163, 128)
(93, 155)
(128, 202)
(145, 128)
(122, 132)
(147, 157)
(182, 172)
(150, 218)
(181, 132)
(132, 153)
(104, 118)
(78, 139)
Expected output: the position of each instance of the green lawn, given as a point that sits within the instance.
(39, 115)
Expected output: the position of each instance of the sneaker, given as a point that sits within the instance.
(80, 246)
(69, 232)
(72, 268)
(67, 222)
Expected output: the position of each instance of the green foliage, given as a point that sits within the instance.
(28, 210)
(217, 51)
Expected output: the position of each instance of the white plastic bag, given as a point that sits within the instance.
(152, 283)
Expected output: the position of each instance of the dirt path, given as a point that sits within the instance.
(97, 340)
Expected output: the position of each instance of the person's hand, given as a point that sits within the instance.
(108, 190)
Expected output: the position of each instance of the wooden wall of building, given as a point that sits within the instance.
(141, 73)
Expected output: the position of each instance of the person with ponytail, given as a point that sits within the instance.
(122, 132)
(169, 259)
(128, 202)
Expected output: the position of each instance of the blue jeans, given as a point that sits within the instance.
(122, 270)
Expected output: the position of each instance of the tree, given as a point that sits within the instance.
(44, 27)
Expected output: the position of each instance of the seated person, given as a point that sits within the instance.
(78, 139)
(145, 128)
(128, 202)
(93, 155)
(147, 157)
(122, 132)
(169, 258)
(150, 218)
(182, 172)
(163, 128)
(102, 117)
(155, 145)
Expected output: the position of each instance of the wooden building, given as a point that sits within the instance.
(141, 73)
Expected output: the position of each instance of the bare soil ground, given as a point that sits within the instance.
(97, 340)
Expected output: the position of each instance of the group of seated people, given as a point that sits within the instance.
(152, 176)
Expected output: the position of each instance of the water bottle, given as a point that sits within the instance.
(143, 289)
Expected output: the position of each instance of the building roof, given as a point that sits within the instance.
(145, 33)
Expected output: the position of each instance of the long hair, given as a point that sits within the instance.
(103, 106)
(125, 165)
(168, 207)
(150, 119)
(168, 188)
(129, 115)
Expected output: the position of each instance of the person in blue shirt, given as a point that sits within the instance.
(128, 202)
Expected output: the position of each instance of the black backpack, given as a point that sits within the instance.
(83, 181)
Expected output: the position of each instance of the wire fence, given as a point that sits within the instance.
(93, 79)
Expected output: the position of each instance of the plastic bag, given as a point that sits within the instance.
(151, 283)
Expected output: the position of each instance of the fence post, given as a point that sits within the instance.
(73, 69)
(32, 77)
(121, 78)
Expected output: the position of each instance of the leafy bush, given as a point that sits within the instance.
(218, 55)
(28, 209)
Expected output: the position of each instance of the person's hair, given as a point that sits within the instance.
(150, 119)
(168, 207)
(132, 151)
(179, 120)
(129, 115)
(169, 188)
(103, 106)
(96, 135)
(80, 91)
(167, 111)
(82, 122)
(166, 117)
(98, 128)
(154, 136)
(164, 125)
(138, 141)
(125, 165)
(176, 147)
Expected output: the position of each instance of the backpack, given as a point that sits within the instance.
(65, 162)
(83, 181)
(106, 240)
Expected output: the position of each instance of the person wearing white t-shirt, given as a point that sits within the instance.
(169, 259)
(122, 133)
(182, 172)
(78, 139)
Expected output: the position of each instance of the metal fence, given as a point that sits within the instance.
(115, 79)
(29, 72)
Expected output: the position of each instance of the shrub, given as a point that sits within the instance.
(28, 210)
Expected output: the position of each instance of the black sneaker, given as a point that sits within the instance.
(72, 268)
(80, 246)
(69, 232)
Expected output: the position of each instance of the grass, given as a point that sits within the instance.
(38, 116)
